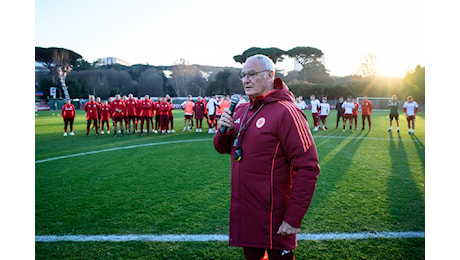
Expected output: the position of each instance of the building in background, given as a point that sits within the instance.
(111, 61)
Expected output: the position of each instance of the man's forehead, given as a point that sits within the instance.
(253, 64)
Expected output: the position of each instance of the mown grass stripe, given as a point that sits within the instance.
(199, 140)
(119, 148)
(368, 138)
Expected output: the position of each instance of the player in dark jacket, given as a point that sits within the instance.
(340, 111)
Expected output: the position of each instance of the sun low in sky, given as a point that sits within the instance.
(212, 32)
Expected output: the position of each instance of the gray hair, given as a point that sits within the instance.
(268, 63)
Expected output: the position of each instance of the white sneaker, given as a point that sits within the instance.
(210, 131)
(108, 132)
(413, 131)
(72, 133)
(102, 132)
(315, 129)
(65, 133)
(185, 129)
(173, 131)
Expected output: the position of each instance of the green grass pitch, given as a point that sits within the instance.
(369, 181)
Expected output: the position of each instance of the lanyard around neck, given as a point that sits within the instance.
(245, 126)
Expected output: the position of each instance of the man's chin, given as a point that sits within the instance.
(249, 92)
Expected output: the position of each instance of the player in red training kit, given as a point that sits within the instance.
(125, 117)
(156, 115)
(355, 113)
(138, 113)
(146, 113)
(152, 113)
(164, 109)
(199, 110)
(98, 100)
(170, 114)
(105, 116)
(131, 112)
(366, 108)
(92, 109)
(118, 113)
(68, 114)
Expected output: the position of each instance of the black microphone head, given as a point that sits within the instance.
(235, 99)
(233, 102)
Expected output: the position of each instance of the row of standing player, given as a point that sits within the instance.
(127, 110)
(348, 110)
(210, 110)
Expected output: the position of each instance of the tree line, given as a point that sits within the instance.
(182, 78)
(314, 78)
(179, 79)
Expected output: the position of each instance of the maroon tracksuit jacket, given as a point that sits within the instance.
(276, 177)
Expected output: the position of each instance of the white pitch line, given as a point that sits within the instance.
(361, 235)
(216, 237)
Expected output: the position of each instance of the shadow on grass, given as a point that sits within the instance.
(405, 200)
(330, 176)
(420, 147)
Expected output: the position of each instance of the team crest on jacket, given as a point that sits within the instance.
(260, 122)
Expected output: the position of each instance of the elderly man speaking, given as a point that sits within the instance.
(274, 164)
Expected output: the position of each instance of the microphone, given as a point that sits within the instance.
(233, 102)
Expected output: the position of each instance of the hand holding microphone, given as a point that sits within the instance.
(226, 120)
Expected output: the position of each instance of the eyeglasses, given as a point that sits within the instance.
(251, 74)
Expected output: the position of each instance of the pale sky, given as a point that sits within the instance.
(210, 32)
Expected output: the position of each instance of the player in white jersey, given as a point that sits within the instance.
(324, 111)
(212, 107)
(411, 108)
(348, 113)
(315, 105)
(300, 103)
